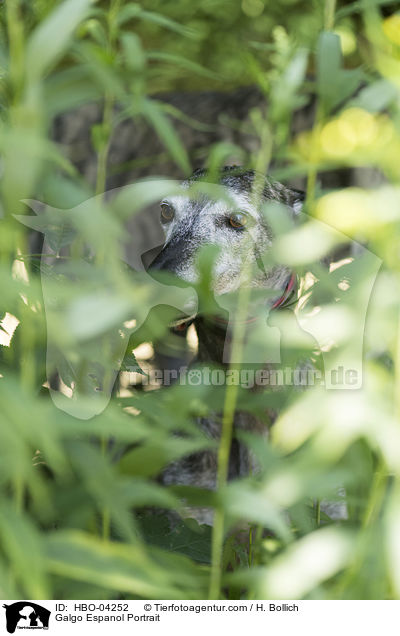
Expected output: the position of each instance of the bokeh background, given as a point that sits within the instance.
(94, 96)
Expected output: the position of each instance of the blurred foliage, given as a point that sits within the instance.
(81, 518)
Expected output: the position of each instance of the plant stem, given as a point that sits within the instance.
(19, 490)
(108, 102)
(256, 551)
(318, 512)
(396, 394)
(225, 446)
(16, 46)
(329, 15)
(329, 23)
(312, 170)
(101, 179)
(105, 512)
(375, 503)
(103, 152)
(217, 541)
(378, 491)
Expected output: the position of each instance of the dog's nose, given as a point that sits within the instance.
(168, 261)
(165, 260)
(172, 256)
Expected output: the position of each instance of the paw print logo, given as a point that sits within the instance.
(194, 377)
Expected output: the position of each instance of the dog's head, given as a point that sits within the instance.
(238, 226)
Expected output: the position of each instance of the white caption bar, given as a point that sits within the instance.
(200, 617)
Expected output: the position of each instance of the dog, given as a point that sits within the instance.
(239, 229)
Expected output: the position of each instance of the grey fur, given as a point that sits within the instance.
(201, 222)
(204, 221)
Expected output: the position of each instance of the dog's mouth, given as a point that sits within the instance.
(285, 299)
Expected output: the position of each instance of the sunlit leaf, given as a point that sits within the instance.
(51, 37)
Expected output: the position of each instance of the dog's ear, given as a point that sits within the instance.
(298, 201)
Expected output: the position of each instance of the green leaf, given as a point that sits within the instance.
(186, 537)
(23, 547)
(243, 500)
(121, 567)
(221, 154)
(168, 23)
(128, 12)
(133, 10)
(92, 314)
(135, 57)
(179, 61)
(129, 363)
(101, 480)
(299, 570)
(392, 530)
(307, 563)
(140, 493)
(360, 5)
(376, 97)
(334, 84)
(100, 135)
(150, 459)
(8, 589)
(110, 423)
(54, 224)
(104, 69)
(153, 112)
(48, 42)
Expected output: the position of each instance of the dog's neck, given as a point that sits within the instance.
(213, 334)
(211, 339)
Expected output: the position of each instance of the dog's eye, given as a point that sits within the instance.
(238, 220)
(167, 213)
